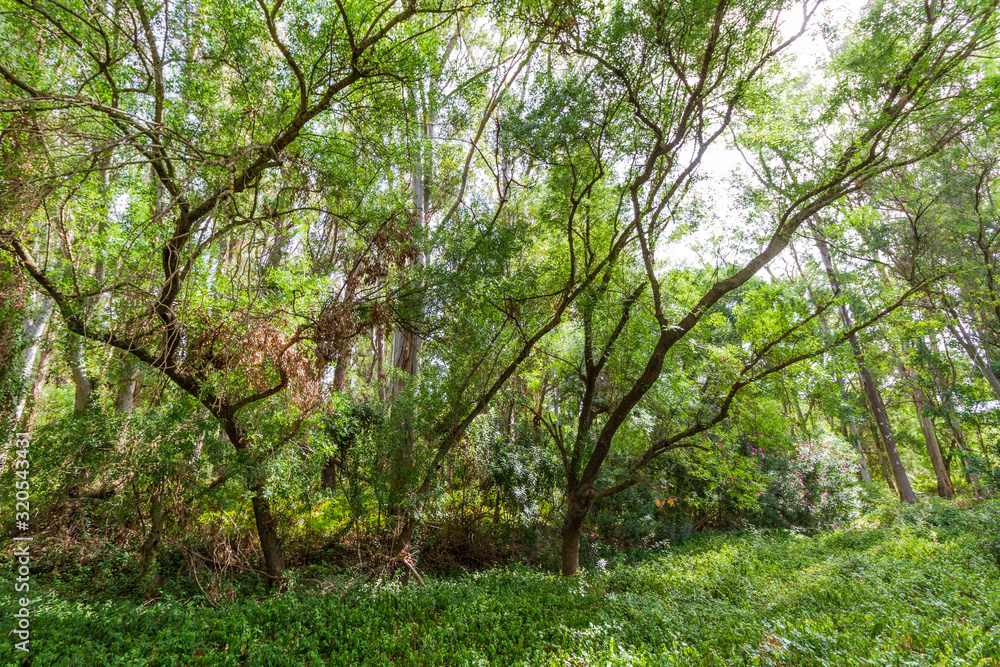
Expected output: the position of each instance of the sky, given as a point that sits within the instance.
(726, 219)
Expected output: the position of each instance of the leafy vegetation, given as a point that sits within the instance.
(330, 331)
(899, 587)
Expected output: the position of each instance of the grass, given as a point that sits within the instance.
(911, 586)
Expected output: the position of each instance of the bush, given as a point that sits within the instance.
(812, 487)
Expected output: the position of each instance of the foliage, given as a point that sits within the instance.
(910, 591)
(811, 487)
(12, 314)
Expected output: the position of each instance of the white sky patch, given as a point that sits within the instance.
(725, 219)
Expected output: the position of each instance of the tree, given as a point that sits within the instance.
(230, 108)
(909, 86)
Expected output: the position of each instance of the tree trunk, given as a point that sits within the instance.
(967, 343)
(571, 548)
(855, 439)
(579, 503)
(882, 421)
(78, 369)
(32, 335)
(41, 375)
(152, 541)
(871, 389)
(882, 458)
(270, 544)
(951, 418)
(33, 329)
(846, 418)
(945, 488)
(125, 400)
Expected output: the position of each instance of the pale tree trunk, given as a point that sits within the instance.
(125, 400)
(871, 389)
(960, 334)
(945, 488)
(407, 342)
(78, 369)
(32, 334)
(33, 330)
(76, 356)
(37, 384)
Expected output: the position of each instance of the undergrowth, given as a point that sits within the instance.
(903, 586)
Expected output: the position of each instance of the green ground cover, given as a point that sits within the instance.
(905, 586)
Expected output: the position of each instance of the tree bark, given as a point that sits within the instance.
(580, 500)
(952, 419)
(847, 419)
(571, 545)
(152, 541)
(38, 383)
(33, 329)
(270, 544)
(978, 359)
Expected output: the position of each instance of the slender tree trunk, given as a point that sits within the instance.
(340, 372)
(855, 439)
(871, 389)
(150, 546)
(954, 424)
(975, 355)
(380, 362)
(945, 488)
(407, 343)
(33, 330)
(883, 460)
(152, 541)
(32, 334)
(267, 531)
(35, 391)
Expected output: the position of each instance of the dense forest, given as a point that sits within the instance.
(512, 332)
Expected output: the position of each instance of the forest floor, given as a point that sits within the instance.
(903, 586)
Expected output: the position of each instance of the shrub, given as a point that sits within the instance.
(813, 486)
